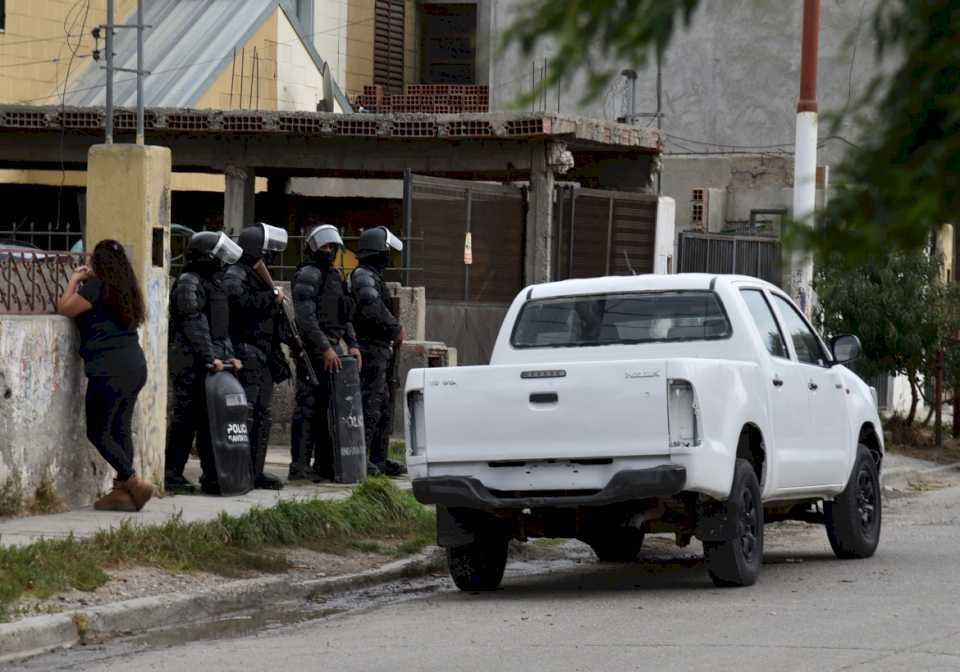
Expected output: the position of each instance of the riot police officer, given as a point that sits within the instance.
(379, 333)
(199, 341)
(256, 336)
(323, 310)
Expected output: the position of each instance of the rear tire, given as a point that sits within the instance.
(736, 562)
(621, 546)
(479, 565)
(854, 517)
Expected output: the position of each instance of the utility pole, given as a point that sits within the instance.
(109, 46)
(140, 72)
(805, 155)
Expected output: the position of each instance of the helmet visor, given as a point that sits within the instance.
(323, 235)
(274, 238)
(393, 242)
(226, 250)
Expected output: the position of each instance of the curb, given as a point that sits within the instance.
(41, 634)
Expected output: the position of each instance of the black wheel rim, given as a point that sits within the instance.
(748, 524)
(867, 496)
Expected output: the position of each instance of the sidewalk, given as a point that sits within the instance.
(85, 522)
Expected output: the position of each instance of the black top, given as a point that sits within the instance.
(107, 346)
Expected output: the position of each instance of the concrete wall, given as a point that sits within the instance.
(360, 31)
(745, 183)
(31, 73)
(42, 428)
(731, 79)
(299, 82)
(330, 27)
(247, 73)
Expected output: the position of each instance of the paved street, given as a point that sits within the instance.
(559, 610)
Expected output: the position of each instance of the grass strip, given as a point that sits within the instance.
(376, 512)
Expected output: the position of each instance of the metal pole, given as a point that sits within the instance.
(938, 401)
(609, 235)
(407, 223)
(466, 267)
(805, 162)
(659, 113)
(139, 72)
(573, 229)
(109, 47)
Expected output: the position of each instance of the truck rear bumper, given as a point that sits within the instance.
(468, 492)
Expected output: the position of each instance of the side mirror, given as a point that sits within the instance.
(846, 349)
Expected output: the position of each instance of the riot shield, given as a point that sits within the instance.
(346, 424)
(227, 413)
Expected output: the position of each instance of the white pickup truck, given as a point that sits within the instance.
(699, 405)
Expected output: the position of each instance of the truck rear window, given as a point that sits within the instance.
(615, 319)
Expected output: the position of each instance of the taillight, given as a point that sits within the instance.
(682, 414)
(417, 444)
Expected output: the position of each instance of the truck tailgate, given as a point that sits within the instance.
(583, 410)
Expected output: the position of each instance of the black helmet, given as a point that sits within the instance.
(379, 239)
(261, 238)
(213, 245)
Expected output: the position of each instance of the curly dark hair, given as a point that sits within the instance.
(111, 266)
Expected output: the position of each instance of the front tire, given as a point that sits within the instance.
(479, 565)
(854, 517)
(736, 562)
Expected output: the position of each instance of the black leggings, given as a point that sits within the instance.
(110, 402)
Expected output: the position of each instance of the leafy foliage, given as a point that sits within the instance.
(897, 305)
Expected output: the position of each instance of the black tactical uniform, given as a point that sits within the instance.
(255, 330)
(378, 330)
(323, 310)
(199, 334)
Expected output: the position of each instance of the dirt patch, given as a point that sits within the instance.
(133, 582)
(949, 454)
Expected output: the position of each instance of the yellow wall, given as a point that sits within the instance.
(360, 31)
(78, 178)
(258, 74)
(35, 38)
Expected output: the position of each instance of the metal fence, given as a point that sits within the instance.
(32, 282)
(720, 253)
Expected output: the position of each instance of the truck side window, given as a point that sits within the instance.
(805, 342)
(765, 321)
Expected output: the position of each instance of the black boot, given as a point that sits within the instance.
(179, 485)
(299, 472)
(267, 481)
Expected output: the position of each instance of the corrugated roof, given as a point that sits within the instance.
(186, 48)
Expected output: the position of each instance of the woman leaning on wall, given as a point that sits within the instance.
(107, 305)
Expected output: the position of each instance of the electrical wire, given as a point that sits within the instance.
(63, 100)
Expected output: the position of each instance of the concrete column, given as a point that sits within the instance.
(238, 199)
(666, 236)
(537, 262)
(128, 199)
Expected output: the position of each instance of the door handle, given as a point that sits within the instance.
(544, 398)
(777, 381)
(812, 386)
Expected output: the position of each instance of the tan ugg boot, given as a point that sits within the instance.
(118, 500)
(140, 491)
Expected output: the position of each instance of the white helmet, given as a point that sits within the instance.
(324, 235)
